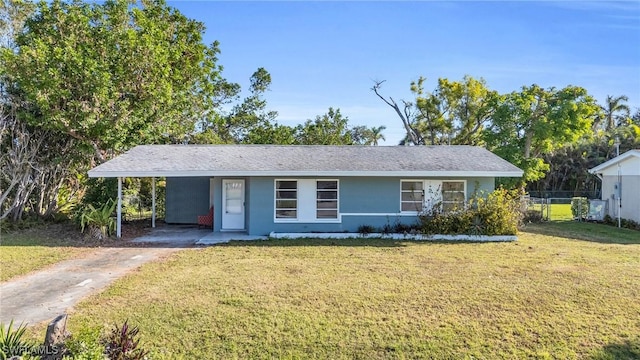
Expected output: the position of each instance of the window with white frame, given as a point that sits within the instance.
(453, 195)
(286, 199)
(306, 200)
(412, 195)
(326, 199)
(419, 195)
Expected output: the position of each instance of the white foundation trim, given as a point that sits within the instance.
(419, 237)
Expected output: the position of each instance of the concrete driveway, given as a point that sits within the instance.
(43, 295)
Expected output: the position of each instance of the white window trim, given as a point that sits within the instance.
(338, 218)
(401, 191)
(301, 206)
(464, 191)
(424, 188)
(275, 201)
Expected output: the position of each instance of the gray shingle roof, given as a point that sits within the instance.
(281, 160)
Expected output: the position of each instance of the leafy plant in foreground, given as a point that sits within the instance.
(99, 220)
(121, 344)
(85, 345)
(11, 342)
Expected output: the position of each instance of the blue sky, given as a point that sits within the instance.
(328, 54)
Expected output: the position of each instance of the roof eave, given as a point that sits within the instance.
(213, 173)
(611, 162)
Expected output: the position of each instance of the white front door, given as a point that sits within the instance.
(232, 204)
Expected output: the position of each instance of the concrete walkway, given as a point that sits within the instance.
(43, 295)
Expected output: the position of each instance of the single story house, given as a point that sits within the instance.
(621, 184)
(259, 189)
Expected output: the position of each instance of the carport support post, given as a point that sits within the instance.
(153, 202)
(119, 211)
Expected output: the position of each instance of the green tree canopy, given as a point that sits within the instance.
(455, 112)
(534, 121)
(327, 129)
(614, 113)
(116, 74)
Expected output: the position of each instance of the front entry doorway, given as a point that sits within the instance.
(233, 204)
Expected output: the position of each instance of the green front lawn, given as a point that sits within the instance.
(29, 250)
(540, 297)
(586, 231)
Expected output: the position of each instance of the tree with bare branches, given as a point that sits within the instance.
(407, 115)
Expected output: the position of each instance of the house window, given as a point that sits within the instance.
(327, 199)
(429, 195)
(306, 200)
(286, 199)
(452, 195)
(412, 195)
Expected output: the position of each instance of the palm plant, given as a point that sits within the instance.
(615, 111)
(376, 134)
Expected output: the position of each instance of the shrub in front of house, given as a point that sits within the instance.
(366, 229)
(99, 221)
(451, 223)
(624, 223)
(497, 213)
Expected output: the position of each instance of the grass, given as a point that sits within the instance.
(544, 296)
(556, 212)
(34, 249)
(560, 212)
(586, 231)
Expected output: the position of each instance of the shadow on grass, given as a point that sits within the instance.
(628, 349)
(585, 231)
(69, 235)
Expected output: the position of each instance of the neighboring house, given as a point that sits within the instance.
(621, 184)
(265, 188)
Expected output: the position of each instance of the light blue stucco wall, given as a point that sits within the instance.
(368, 195)
(186, 198)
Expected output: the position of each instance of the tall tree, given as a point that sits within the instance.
(377, 135)
(614, 113)
(116, 74)
(13, 14)
(251, 114)
(362, 135)
(569, 164)
(267, 132)
(406, 113)
(455, 112)
(327, 129)
(81, 82)
(534, 121)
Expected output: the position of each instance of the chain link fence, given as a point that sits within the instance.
(563, 209)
